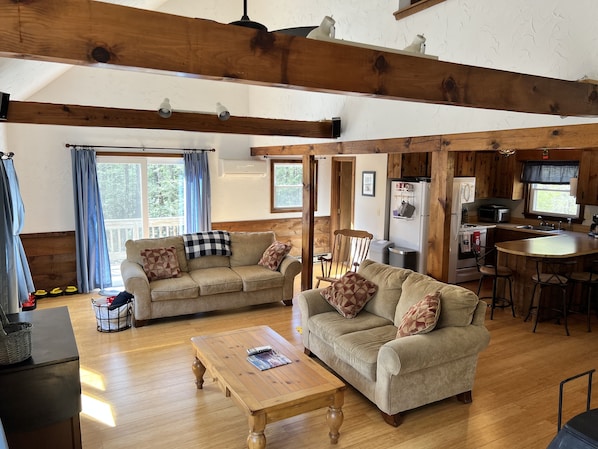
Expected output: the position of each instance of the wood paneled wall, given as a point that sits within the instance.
(286, 229)
(52, 255)
(52, 258)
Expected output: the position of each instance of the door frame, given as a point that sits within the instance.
(338, 178)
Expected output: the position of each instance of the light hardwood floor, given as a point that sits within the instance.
(138, 388)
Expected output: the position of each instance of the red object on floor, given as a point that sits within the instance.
(30, 304)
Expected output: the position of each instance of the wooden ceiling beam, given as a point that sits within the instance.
(106, 35)
(555, 137)
(94, 116)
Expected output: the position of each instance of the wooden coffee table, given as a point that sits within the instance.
(270, 395)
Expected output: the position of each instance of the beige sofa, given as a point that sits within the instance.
(208, 283)
(399, 374)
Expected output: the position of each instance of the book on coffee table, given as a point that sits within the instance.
(268, 359)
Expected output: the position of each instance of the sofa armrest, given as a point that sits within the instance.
(137, 284)
(289, 267)
(311, 303)
(417, 352)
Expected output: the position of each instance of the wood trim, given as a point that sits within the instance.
(569, 137)
(76, 115)
(100, 34)
(415, 8)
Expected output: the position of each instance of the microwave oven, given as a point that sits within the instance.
(494, 213)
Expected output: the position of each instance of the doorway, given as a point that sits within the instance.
(342, 193)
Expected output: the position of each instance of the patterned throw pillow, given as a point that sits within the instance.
(349, 294)
(421, 316)
(207, 243)
(274, 255)
(160, 263)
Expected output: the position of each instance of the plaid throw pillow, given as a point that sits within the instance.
(208, 243)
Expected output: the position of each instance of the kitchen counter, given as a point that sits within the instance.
(558, 244)
(520, 256)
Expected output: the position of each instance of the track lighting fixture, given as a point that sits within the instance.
(165, 110)
(222, 112)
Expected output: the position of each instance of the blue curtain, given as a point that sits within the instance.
(198, 197)
(93, 262)
(19, 280)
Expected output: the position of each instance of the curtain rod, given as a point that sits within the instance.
(4, 155)
(116, 147)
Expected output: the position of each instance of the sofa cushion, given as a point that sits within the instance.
(207, 243)
(134, 248)
(212, 281)
(208, 262)
(389, 281)
(421, 316)
(256, 278)
(175, 288)
(274, 255)
(160, 263)
(349, 294)
(360, 349)
(331, 325)
(248, 247)
(458, 304)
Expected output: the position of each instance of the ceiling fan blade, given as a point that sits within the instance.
(297, 31)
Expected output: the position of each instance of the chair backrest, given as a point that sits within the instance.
(350, 247)
(554, 271)
(485, 256)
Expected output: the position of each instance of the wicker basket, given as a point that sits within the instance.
(15, 340)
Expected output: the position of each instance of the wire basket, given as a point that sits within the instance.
(15, 340)
(115, 320)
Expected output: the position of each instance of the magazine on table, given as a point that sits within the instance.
(268, 359)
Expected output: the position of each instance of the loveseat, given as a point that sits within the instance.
(398, 373)
(208, 280)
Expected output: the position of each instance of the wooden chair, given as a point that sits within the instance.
(488, 268)
(349, 248)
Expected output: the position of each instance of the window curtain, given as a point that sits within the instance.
(198, 203)
(19, 283)
(93, 262)
(552, 172)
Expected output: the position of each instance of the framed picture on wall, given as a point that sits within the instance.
(368, 183)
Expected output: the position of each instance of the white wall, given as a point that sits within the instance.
(544, 37)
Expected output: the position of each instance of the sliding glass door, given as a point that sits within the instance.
(142, 197)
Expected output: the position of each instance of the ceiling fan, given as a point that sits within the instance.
(245, 21)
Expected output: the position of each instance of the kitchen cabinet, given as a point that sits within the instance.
(507, 178)
(498, 176)
(484, 179)
(465, 163)
(587, 181)
(405, 165)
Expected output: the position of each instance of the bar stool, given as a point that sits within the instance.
(553, 273)
(484, 257)
(588, 280)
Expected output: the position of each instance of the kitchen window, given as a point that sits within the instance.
(286, 185)
(548, 189)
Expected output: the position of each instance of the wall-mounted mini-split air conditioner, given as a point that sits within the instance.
(234, 167)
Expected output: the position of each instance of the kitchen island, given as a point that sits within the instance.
(521, 255)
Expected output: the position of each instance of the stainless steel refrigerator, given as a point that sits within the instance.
(409, 216)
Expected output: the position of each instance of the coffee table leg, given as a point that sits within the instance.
(256, 438)
(198, 370)
(334, 417)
